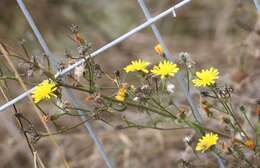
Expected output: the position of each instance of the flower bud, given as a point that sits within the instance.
(250, 144)
(158, 49)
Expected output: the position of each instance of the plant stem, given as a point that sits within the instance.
(65, 129)
(226, 107)
(157, 111)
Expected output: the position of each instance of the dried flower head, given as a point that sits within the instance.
(89, 98)
(225, 147)
(258, 101)
(78, 72)
(206, 108)
(146, 90)
(206, 142)
(184, 163)
(74, 28)
(206, 77)
(258, 110)
(226, 120)
(83, 49)
(184, 57)
(182, 113)
(67, 105)
(79, 39)
(137, 65)
(187, 139)
(165, 69)
(224, 92)
(117, 73)
(44, 90)
(99, 71)
(45, 118)
(76, 35)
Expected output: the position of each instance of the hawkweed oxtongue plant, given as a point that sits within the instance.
(153, 93)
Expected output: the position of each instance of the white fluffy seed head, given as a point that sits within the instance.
(187, 139)
(170, 88)
(136, 99)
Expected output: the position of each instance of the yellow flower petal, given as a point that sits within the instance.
(207, 141)
(120, 98)
(137, 65)
(206, 77)
(165, 69)
(44, 91)
(121, 94)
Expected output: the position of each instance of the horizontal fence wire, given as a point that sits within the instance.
(109, 45)
(179, 76)
(102, 49)
(69, 95)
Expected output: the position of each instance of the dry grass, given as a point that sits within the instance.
(223, 45)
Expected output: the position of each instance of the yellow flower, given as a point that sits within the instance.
(165, 68)
(158, 49)
(44, 91)
(121, 94)
(138, 65)
(206, 142)
(206, 77)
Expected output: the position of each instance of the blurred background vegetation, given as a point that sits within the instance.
(212, 31)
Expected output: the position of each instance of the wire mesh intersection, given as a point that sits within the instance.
(102, 49)
(70, 96)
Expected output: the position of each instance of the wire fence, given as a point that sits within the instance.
(69, 95)
(180, 77)
(102, 49)
(72, 98)
(257, 5)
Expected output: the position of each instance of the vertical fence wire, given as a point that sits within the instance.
(179, 75)
(69, 94)
(257, 5)
(169, 56)
(150, 21)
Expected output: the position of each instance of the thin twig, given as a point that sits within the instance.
(31, 147)
(104, 48)
(9, 61)
(52, 62)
